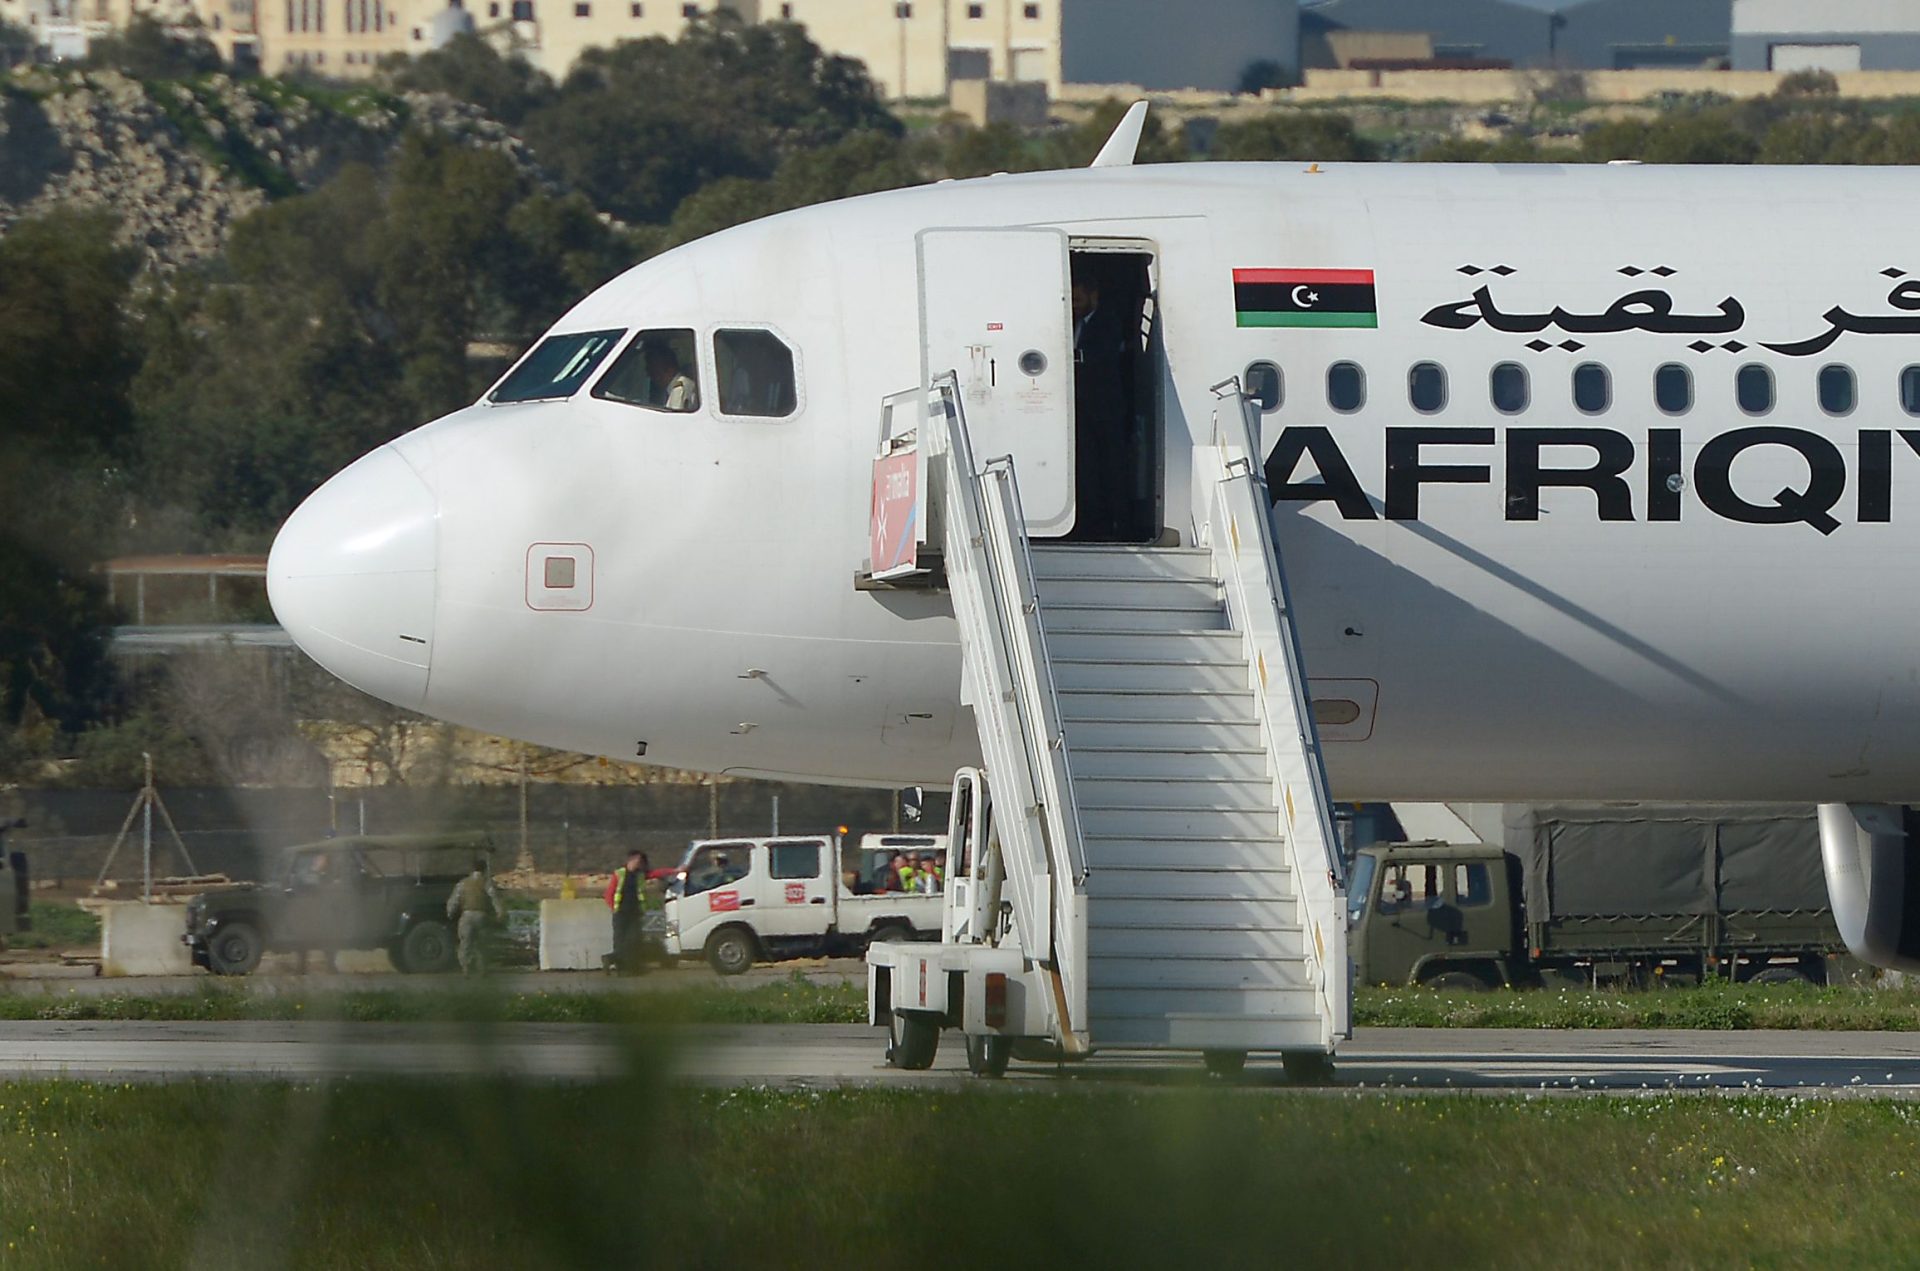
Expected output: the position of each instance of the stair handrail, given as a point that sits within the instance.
(991, 577)
(1239, 512)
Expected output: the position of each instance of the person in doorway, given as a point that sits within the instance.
(472, 906)
(1099, 407)
(626, 897)
(668, 387)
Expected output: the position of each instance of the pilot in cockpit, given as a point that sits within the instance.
(668, 387)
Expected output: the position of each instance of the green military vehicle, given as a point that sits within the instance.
(346, 893)
(1628, 897)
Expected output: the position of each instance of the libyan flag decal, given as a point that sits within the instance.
(1304, 298)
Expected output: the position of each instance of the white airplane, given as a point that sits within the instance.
(1593, 482)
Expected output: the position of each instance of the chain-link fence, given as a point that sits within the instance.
(567, 828)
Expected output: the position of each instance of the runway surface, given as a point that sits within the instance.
(1619, 1061)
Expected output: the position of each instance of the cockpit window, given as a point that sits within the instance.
(659, 371)
(557, 367)
(755, 370)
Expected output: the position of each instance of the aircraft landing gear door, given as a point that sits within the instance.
(995, 309)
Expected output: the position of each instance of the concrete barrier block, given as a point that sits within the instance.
(574, 934)
(142, 939)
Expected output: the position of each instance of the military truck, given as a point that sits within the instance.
(1632, 897)
(345, 893)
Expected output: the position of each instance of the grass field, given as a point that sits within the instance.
(368, 1174)
(799, 1000)
(796, 1000)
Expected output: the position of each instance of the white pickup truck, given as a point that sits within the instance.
(740, 901)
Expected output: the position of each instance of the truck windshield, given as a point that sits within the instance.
(1359, 886)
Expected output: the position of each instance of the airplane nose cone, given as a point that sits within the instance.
(351, 577)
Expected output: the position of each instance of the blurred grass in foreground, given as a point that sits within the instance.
(800, 1000)
(371, 1174)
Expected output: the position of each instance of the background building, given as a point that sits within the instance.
(1833, 35)
(1627, 35)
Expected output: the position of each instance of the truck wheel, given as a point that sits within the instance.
(1782, 975)
(1456, 982)
(912, 1041)
(987, 1055)
(235, 949)
(889, 933)
(1224, 1063)
(427, 948)
(1308, 1067)
(730, 952)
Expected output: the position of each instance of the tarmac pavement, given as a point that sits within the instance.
(1620, 1062)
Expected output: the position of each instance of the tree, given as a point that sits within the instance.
(66, 358)
(145, 49)
(641, 125)
(1263, 74)
(470, 69)
(1306, 136)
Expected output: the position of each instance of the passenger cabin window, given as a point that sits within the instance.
(1592, 388)
(1673, 389)
(658, 371)
(755, 373)
(557, 367)
(1910, 390)
(1753, 389)
(1507, 385)
(1265, 386)
(1836, 389)
(1427, 387)
(1346, 387)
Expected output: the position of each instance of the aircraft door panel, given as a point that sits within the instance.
(994, 307)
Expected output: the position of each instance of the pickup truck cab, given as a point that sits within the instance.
(739, 901)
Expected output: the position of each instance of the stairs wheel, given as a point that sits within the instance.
(912, 1041)
(987, 1055)
(1308, 1067)
(1224, 1063)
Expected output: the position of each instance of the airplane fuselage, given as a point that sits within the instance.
(1523, 595)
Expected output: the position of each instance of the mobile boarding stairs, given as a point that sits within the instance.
(1148, 860)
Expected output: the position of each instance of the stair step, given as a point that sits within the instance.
(1130, 593)
(1295, 1027)
(1161, 914)
(1174, 887)
(1134, 852)
(1196, 646)
(1194, 942)
(1161, 734)
(1113, 1005)
(1091, 618)
(1122, 562)
(1198, 823)
(1096, 763)
(1207, 793)
(1185, 705)
(1215, 677)
(1106, 974)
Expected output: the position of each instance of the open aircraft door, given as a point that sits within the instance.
(995, 308)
